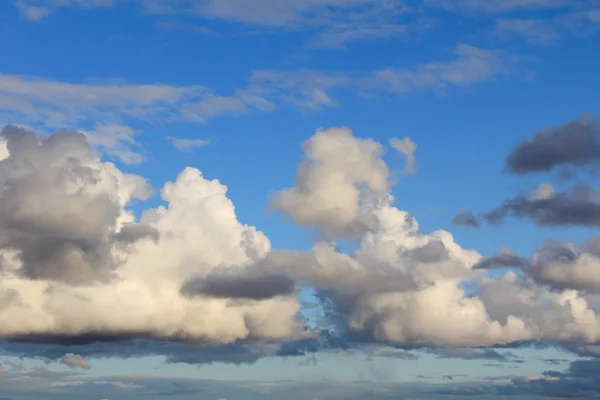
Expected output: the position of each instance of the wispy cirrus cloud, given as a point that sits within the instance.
(470, 65)
(296, 13)
(504, 6)
(539, 32)
(103, 111)
(188, 144)
(547, 31)
(59, 104)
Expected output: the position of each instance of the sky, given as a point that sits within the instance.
(299, 199)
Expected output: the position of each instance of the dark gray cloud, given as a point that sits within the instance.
(578, 381)
(506, 258)
(576, 143)
(580, 206)
(60, 233)
(466, 218)
(57, 207)
(131, 233)
(175, 352)
(434, 251)
(237, 283)
(88, 347)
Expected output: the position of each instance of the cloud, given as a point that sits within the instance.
(59, 207)
(75, 361)
(471, 65)
(572, 147)
(70, 271)
(304, 88)
(374, 20)
(538, 32)
(474, 354)
(229, 284)
(414, 270)
(506, 258)
(578, 381)
(543, 192)
(503, 6)
(339, 36)
(177, 25)
(399, 354)
(327, 191)
(49, 349)
(271, 13)
(299, 13)
(562, 266)
(568, 266)
(97, 109)
(116, 141)
(187, 144)
(59, 104)
(3, 149)
(579, 206)
(466, 218)
(35, 10)
(580, 20)
(14, 365)
(407, 148)
(189, 281)
(574, 144)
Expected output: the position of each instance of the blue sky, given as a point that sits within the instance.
(239, 90)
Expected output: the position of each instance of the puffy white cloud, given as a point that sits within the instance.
(190, 269)
(402, 286)
(3, 149)
(337, 172)
(63, 221)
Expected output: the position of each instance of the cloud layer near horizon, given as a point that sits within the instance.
(76, 263)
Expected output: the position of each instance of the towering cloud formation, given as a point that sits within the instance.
(338, 173)
(75, 262)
